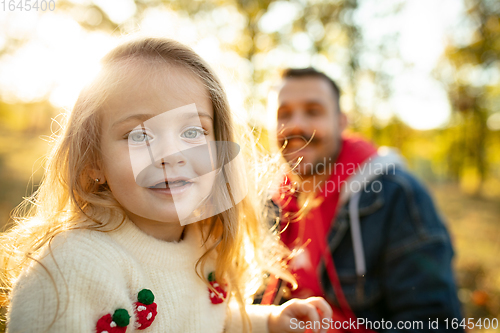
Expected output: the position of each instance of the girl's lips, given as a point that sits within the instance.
(177, 190)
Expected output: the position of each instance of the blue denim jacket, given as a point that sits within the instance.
(407, 257)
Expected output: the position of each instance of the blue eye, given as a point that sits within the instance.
(139, 136)
(193, 133)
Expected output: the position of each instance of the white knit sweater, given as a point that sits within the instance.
(96, 273)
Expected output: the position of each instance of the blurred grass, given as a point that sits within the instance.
(474, 225)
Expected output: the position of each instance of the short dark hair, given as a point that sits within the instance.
(289, 73)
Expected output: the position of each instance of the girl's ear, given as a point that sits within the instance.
(96, 172)
(97, 176)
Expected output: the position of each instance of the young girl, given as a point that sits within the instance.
(106, 245)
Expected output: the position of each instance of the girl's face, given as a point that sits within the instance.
(156, 127)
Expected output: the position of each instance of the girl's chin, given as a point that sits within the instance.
(172, 215)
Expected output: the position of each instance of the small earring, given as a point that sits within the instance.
(97, 180)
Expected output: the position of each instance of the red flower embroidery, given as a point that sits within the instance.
(220, 295)
(145, 309)
(113, 324)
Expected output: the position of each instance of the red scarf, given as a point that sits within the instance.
(310, 233)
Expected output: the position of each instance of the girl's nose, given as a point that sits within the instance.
(173, 160)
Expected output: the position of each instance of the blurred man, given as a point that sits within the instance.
(367, 233)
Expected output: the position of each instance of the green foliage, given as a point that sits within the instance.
(22, 127)
(474, 97)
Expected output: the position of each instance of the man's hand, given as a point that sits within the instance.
(313, 309)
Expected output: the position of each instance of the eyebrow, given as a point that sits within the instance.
(194, 115)
(314, 102)
(145, 116)
(307, 103)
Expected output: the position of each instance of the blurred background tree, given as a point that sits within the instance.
(420, 75)
(470, 73)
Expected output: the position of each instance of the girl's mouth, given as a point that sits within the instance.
(171, 187)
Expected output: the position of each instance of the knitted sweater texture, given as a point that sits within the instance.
(94, 273)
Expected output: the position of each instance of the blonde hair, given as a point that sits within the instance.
(69, 199)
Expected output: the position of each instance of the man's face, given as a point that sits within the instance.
(309, 123)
